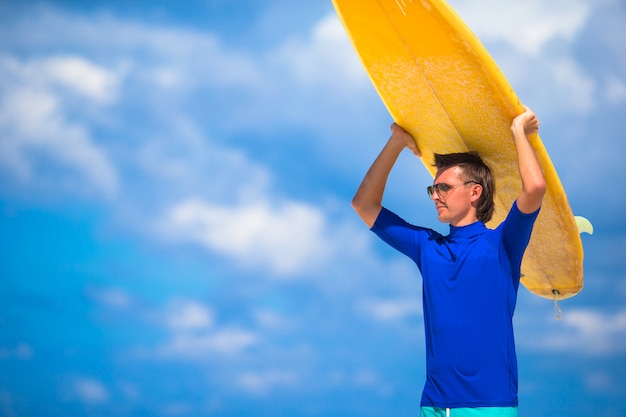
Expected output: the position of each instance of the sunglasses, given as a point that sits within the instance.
(442, 189)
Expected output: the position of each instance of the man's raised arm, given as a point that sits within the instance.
(367, 201)
(533, 183)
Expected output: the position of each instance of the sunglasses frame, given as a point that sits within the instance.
(442, 189)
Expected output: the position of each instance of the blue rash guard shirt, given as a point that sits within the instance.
(470, 280)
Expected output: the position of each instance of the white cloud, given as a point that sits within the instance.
(77, 75)
(185, 59)
(286, 236)
(526, 25)
(585, 332)
(34, 119)
(190, 163)
(534, 44)
(316, 83)
(599, 332)
(615, 90)
(188, 315)
(265, 381)
(364, 378)
(206, 345)
(166, 56)
(90, 390)
(392, 309)
(271, 320)
(578, 88)
(325, 57)
(130, 390)
(191, 332)
(115, 298)
(173, 66)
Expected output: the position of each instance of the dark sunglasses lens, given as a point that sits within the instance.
(430, 190)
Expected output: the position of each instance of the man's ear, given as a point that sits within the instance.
(477, 191)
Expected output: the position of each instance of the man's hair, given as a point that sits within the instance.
(474, 169)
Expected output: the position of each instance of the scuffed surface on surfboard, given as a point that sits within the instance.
(440, 83)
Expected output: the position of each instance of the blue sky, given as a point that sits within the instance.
(176, 236)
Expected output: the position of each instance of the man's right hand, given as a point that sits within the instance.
(404, 137)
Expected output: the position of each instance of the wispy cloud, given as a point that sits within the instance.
(37, 105)
(205, 346)
(285, 237)
(188, 315)
(527, 26)
(90, 390)
(583, 331)
(325, 51)
(392, 309)
(265, 381)
(191, 332)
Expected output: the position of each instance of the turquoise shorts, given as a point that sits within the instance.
(469, 412)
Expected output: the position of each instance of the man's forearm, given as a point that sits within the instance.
(367, 201)
(533, 182)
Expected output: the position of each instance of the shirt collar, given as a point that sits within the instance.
(464, 232)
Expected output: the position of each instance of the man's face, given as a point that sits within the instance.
(453, 197)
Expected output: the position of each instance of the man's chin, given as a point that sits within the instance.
(442, 215)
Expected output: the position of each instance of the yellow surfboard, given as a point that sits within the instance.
(439, 83)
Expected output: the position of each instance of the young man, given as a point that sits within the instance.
(470, 277)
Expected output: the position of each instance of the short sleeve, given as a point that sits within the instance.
(401, 235)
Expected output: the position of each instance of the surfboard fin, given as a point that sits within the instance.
(584, 225)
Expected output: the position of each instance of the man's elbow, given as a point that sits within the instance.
(358, 204)
(367, 211)
(540, 186)
(537, 188)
